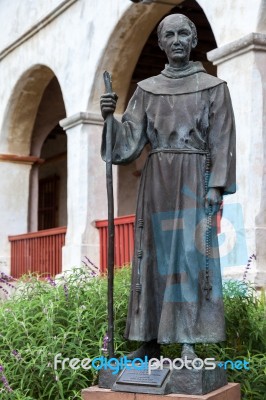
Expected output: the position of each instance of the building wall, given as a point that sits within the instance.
(75, 41)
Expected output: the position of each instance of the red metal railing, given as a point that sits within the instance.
(39, 252)
(124, 240)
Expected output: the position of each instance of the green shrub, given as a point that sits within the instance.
(47, 318)
(245, 313)
(69, 317)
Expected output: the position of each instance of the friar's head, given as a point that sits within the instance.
(177, 35)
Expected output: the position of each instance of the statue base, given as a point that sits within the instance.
(164, 381)
(228, 392)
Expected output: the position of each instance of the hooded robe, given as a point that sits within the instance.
(186, 115)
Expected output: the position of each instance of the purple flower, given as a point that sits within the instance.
(4, 290)
(51, 281)
(6, 384)
(6, 277)
(7, 283)
(89, 262)
(105, 344)
(4, 380)
(16, 354)
(66, 291)
(248, 266)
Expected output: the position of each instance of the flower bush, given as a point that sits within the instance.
(68, 316)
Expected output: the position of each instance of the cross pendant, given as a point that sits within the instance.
(208, 289)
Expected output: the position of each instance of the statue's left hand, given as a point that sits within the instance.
(213, 201)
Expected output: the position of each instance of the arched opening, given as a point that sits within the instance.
(123, 49)
(151, 62)
(33, 136)
(48, 193)
(52, 193)
(22, 109)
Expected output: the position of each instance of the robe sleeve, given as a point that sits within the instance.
(222, 141)
(129, 136)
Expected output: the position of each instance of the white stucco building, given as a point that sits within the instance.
(52, 56)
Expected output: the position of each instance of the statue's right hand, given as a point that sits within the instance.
(108, 104)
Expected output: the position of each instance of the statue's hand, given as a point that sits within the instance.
(108, 104)
(213, 201)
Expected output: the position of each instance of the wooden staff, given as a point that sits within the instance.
(110, 199)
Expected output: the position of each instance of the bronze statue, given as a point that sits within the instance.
(186, 116)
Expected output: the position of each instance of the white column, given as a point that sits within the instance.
(14, 200)
(242, 65)
(86, 194)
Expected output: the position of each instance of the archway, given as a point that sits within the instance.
(35, 156)
(32, 117)
(22, 109)
(123, 49)
(48, 193)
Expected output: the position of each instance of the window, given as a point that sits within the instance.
(48, 202)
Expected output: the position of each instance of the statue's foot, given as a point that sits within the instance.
(188, 352)
(150, 349)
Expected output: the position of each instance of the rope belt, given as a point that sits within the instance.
(179, 151)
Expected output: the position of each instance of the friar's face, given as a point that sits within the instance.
(176, 40)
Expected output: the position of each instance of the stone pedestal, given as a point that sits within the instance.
(164, 381)
(228, 392)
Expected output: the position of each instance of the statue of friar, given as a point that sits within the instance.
(186, 116)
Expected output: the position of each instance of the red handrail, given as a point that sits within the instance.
(37, 252)
(124, 240)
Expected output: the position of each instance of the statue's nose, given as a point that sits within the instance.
(176, 38)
